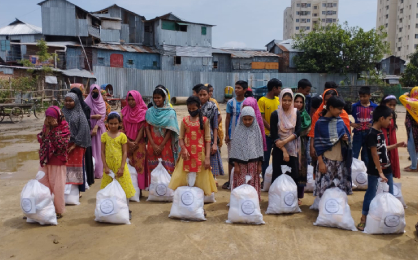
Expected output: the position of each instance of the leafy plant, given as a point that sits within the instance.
(410, 76)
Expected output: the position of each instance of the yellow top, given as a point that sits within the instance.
(268, 106)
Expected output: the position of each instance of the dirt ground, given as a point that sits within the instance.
(152, 235)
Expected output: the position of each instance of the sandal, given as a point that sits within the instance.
(226, 186)
(408, 167)
(411, 170)
(361, 226)
(59, 215)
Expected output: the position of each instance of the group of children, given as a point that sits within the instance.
(292, 128)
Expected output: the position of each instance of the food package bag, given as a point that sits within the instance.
(134, 178)
(359, 174)
(111, 204)
(310, 184)
(283, 196)
(188, 204)
(267, 178)
(245, 205)
(334, 210)
(386, 214)
(210, 198)
(158, 189)
(315, 205)
(72, 194)
(397, 191)
(37, 203)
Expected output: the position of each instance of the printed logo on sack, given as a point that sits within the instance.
(26, 205)
(161, 189)
(106, 207)
(332, 206)
(248, 207)
(395, 191)
(187, 198)
(289, 199)
(392, 221)
(361, 178)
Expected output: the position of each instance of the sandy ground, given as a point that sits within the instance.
(152, 235)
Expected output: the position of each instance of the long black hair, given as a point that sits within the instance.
(195, 100)
(159, 91)
(384, 102)
(333, 101)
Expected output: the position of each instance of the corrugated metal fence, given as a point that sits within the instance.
(180, 83)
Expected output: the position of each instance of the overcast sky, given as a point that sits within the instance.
(239, 23)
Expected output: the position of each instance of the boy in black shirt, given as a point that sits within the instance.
(379, 162)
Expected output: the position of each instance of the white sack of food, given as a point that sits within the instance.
(283, 196)
(158, 189)
(210, 198)
(334, 210)
(37, 203)
(310, 184)
(71, 194)
(134, 178)
(267, 178)
(111, 204)
(386, 214)
(188, 204)
(244, 205)
(315, 205)
(359, 174)
(397, 192)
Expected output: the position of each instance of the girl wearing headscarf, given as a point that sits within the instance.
(210, 111)
(305, 127)
(98, 113)
(53, 155)
(285, 125)
(410, 102)
(247, 150)
(133, 117)
(252, 102)
(163, 132)
(88, 156)
(79, 139)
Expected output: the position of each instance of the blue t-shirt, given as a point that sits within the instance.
(236, 113)
(363, 115)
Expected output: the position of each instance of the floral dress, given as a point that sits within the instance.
(113, 160)
(166, 155)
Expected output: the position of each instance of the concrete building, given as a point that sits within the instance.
(304, 15)
(286, 52)
(387, 17)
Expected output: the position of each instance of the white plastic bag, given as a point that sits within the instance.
(37, 203)
(359, 174)
(334, 210)
(397, 191)
(210, 198)
(245, 205)
(286, 169)
(315, 205)
(134, 178)
(283, 196)
(386, 214)
(191, 178)
(72, 194)
(158, 189)
(267, 178)
(188, 204)
(310, 184)
(111, 204)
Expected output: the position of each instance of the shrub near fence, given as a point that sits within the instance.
(350, 93)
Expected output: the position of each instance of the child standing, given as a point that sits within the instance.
(220, 130)
(53, 155)
(163, 133)
(114, 153)
(379, 165)
(362, 112)
(195, 150)
(333, 148)
(247, 150)
(233, 109)
(304, 88)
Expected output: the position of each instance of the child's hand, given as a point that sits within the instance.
(322, 168)
(313, 153)
(355, 125)
(227, 140)
(157, 150)
(120, 172)
(401, 144)
(214, 149)
(280, 144)
(382, 176)
(345, 137)
(207, 163)
(106, 169)
(184, 153)
(94, 132)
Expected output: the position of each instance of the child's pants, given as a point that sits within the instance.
(412, 151)
(55, 179)
(267, 155)
(359, 142)
(372, 189)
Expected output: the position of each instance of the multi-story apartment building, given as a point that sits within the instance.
(304, 15)
(400, 18)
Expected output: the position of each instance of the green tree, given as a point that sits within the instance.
(410, 76)
(339, 48)
(44, 56)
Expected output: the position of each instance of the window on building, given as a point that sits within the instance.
(409, 27)
(308, 20)
(315, 7)
(297, 27)
(416, 16)
(387, 7)
(297, 20)
(147, 28)
(401, 1)
(315, 14)
(168, 25)
(177, 60)
(399, 48)
(203, 30)
(416, 25)
(215, 64)
(182, 28)
(323, 20)
(400, 29)
(329, 20)
(100, 61)
(308, 27)
(155, 63)
(334, 4)
(387, 16)
(416, 36)
(386, 25)
(131, 62)
(415, 46)
(399, 39)
(400, 20)
(298, 5)
(334, 20)
(401, 10)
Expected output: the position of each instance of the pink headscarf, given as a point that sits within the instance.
(97, 106)
(287, 118)
(133, 117)
(252, 102)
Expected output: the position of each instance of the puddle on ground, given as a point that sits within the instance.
(11, 162)
(17, 139)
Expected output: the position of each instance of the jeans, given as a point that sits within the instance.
(308, 151)
(411, 150)
(267, 155)
(359, 142)
(372, 188)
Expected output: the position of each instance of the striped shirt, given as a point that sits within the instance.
(363, 115)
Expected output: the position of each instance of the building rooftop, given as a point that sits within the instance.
(287, 45)
(173, 17)
(125, 47)
(20, 28)
(246, 53)
(115, 5)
